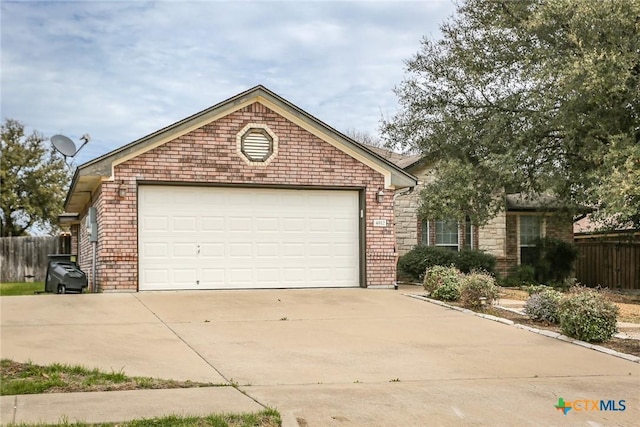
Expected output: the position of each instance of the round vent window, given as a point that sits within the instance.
(257, 144)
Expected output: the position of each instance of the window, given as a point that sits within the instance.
(468, 233)
(530, 230)
(425, 233)
(447, 234)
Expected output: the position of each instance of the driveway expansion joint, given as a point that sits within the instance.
(166, 325)
(542, 332)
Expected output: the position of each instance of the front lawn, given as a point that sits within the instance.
(29, 378)
(265, 418)
(20, 288)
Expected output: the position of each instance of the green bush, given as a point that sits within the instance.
(554, 260)
(475, 286)
(587, 315)
(473, 260)
(521, 275)
(543, 305)
(443, 283)
(415, 262)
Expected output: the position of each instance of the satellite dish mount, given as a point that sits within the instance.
(66, 146)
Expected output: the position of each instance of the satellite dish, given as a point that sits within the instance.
(64, 145)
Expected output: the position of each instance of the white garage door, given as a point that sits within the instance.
(232, 238)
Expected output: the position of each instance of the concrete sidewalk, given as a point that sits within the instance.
(322, 357)
(117, 406)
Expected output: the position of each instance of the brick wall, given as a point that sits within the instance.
(556, 226)
(208, 155)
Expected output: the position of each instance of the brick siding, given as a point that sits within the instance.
(208, 156)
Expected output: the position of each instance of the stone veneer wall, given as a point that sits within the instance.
(406, 211)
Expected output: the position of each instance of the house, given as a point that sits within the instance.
(509, 236)
(251, 193)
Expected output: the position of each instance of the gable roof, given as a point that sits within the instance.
(403, 161)
(89, 175)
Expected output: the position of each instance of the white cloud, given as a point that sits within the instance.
(121, 70)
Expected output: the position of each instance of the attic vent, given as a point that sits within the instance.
(257, 144)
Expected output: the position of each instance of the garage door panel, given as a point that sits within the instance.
(185, 223)
(213, 276)
(212, 223)
(155, 223)
(184, 250)
(267, 250)
(221, 238)
(184, 276)
(212, 250)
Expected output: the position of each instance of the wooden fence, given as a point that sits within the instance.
(22, 257)
(615, 265)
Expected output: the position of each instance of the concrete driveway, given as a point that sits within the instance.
(340, 357)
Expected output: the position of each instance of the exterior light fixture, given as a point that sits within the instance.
(122, 190)
(380, 196)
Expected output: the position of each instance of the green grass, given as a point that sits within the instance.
(20, 288)
(28, 378)
(265, 418)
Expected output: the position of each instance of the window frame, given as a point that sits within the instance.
(448, 222)
(541, 223)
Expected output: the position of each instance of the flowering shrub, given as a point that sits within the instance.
(543, 305)
(475, 286)
(587, 315)
(443, 283)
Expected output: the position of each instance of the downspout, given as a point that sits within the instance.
(94, 261)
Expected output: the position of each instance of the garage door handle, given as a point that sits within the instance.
(198, 249)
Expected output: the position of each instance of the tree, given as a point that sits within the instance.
(531, 96)
(33, 179)
(363, 137)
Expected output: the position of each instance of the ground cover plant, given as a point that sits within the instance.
(29, 378)
(20, 288)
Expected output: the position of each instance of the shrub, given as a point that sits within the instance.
(521, 275)
(443, 283)
(473, 260)
(554, 260)
(476, 285)
(587, 315)
(415, 262)
(534, 289)
(543, 305)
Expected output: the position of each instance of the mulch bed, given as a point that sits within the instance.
(628, 346)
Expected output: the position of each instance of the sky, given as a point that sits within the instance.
(120, 70)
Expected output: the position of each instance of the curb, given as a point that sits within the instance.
(546, 333)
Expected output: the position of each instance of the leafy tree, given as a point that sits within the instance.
(33, 178)
(531, 96)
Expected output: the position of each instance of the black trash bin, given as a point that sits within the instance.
(63, 275)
